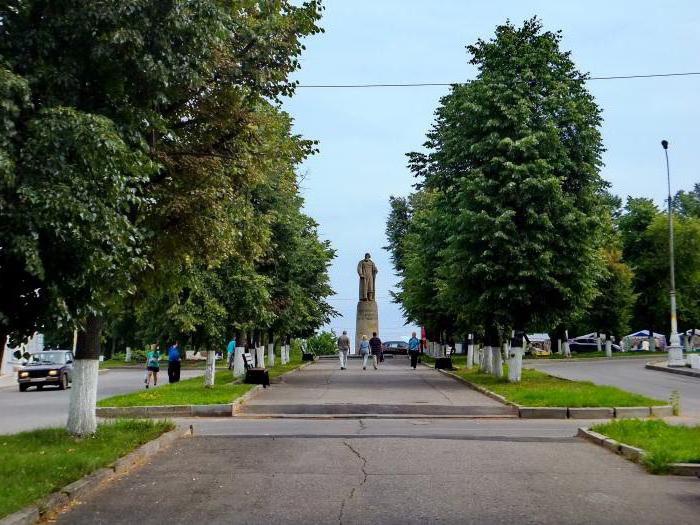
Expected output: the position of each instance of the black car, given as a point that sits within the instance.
(589, 344)
(51, 367)
(395, 347)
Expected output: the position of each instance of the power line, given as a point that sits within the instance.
(429, 84)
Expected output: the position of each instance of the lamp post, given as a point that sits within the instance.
(675, 351)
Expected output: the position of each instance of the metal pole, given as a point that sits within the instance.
(675, 351)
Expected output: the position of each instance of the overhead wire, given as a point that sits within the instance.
(443, 84)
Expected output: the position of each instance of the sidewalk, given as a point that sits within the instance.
(394, 390)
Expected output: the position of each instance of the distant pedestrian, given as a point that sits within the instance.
(343, 349)
(366, 352)
(230, 351)
(414, 350)
(376, 345)
(152, 367)
(174, 363)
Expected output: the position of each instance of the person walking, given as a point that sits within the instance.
(375, 345)
(343, 349)
(174, 362)
(230, 349)
(414, 350)
(152, 367)
(365, 352)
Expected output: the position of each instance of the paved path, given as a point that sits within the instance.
(393, 390)
(386, 471)
(49, 407)
(630, 375)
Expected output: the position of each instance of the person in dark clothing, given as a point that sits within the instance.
(413, 350)
(376, 345)
(174, 361)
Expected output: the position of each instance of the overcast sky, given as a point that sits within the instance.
(364, 134)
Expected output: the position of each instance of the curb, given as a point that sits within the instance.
(568, 412)
(681, 371)
(87, 485)
(634, 454)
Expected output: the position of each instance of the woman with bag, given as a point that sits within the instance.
(152, 367)
(366, 352)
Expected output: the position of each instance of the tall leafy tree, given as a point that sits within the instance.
(175, 85)
(516, 155)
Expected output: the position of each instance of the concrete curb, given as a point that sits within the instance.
(86, 486)
(681, 371)
(568, 412)
(634, 454)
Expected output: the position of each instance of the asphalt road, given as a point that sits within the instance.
(49, 407)
(630, 374)
(396, 480)
(385, 471)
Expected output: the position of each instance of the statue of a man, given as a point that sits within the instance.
(367, 271)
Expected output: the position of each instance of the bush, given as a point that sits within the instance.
(323, 343)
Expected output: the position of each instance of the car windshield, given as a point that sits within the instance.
(48, 358)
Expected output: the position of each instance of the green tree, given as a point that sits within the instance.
(516, 155)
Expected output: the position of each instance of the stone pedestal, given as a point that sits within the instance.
(367, 321)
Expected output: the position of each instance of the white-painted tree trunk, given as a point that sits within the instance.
(271, 354)
(567, 349)
(598, 344)
(210, 369)
(260, 356)
(83, 397)
(459, 348)
(238, 366)
(488, 360)
(127, 358)
(515, 364)
(559, 348)
(608, 348)
(470, 355)
(497, 356)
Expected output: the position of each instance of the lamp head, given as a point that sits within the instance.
(664, 144)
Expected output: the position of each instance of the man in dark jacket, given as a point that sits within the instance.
(376, 345)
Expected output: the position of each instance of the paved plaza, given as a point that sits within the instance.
(366, 470)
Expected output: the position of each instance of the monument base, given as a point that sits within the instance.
(367, 321)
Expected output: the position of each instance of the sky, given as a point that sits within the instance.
(364, 134)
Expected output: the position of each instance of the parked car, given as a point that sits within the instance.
(395, 347)
(589, 344)
(51, 367)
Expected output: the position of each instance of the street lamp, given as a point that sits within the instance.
(675, 351)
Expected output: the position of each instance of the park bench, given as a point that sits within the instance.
(254, 375)
(444, 362)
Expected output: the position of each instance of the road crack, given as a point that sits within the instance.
(353, 490)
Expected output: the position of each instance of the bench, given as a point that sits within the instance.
(254, 375)
(444, 363)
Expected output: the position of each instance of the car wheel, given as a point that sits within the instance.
(23, 388)
(40, 387)
(64, 382)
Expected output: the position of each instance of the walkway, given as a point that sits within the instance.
(318, 469)
(394, 390)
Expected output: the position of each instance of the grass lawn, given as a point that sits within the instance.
(118, 363)
(186, 392)
(192, 391)
(663, 443)
(34, 464)
(538, 389)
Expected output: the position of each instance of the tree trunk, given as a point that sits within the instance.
(3, 344)
(83, 397)
(210, 369)
(515, 357)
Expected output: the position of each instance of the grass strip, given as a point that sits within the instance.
(37, 463)
(192, 391)
(538, 389)
(663, 443)
(186, 392)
